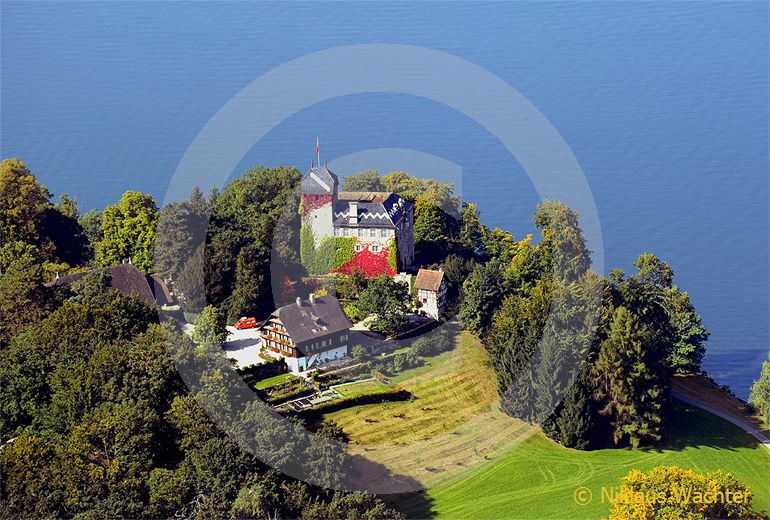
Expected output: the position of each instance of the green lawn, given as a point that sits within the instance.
(538, 478)
(272, 381)
(432, 365)
(364, 387)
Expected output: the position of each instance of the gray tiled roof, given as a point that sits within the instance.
(308, 321)
(319, 180)
(375, 209)
(127, 279)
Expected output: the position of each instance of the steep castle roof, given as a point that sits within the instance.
(319, 180)
(374, 208)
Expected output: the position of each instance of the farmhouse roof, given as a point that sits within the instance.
(429, 280)
(319, 180)
(128, 280)
(374, 208)
(314, 318)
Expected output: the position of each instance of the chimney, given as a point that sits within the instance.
(354, 212)
(312, 299)
(299, 301)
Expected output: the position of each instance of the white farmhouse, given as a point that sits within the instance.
(307, 333)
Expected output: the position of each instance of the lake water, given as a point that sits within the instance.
(664, 105)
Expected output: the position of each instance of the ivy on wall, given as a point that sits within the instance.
(331, 253)
(344, 251)
(393, 255)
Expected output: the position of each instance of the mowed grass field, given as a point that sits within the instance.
(538, 478)
(452, 423)
(449, 390)
(364, 387)
(477, 462)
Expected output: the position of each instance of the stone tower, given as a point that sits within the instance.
(319, 196)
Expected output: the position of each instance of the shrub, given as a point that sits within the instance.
(254, 373)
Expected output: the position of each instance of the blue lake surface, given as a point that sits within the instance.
(664, 105)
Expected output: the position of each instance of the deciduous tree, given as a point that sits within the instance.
(129, 231)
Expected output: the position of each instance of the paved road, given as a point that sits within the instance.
(737, 422)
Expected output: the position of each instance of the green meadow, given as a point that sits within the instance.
(539, 479)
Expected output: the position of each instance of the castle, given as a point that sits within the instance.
(371, 231)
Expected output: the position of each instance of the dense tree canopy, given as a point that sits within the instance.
(129, 231)
(23, 203)
(241, 254)
(389, 301)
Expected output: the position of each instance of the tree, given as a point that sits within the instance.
(472, 231)
(359, 353)
(210, 327)
(24, 300)
(129, 231)
(482, 296)
(64, 234)
(572, 423)
(668, 492)
(23, 204)
(563, 240)
(173, 240)
(631, 380)
(239, 247)
(366, 180)
(760, 392)
(91, 223)
(689, 333)
(431, 231)
(389, 301)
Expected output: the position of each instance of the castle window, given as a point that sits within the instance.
(336, 232)
(347, 232)
(358, 248)
(383, 233)
(372, 232)
(375, 248)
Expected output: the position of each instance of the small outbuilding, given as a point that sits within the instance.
(431, 289)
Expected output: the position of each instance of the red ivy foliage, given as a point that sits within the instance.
(313, 202)
(372, 264)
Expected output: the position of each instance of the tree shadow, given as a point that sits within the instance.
(692, 427)
(400, 492)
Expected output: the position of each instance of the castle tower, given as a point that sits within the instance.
(318, 198)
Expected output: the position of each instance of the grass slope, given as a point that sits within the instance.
(538, 478)
(452, 423)
(364, 387)
(448, 391)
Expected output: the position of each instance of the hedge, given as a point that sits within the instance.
(254, 373)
